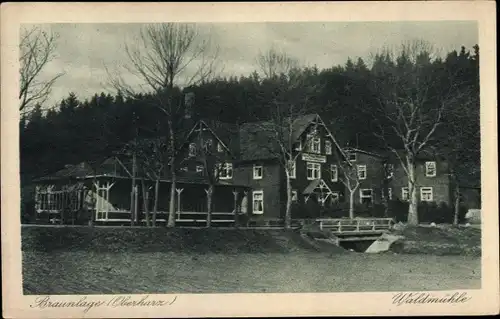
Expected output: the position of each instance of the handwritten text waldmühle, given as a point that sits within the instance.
(402, 298)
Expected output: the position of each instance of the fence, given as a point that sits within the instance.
(357, 225)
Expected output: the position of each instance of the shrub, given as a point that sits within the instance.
(398, 210)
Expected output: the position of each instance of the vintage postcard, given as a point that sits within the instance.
(249, 159)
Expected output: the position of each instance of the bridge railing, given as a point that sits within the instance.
(357, 225)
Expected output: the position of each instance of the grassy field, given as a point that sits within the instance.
(156, 272)
(124, 260)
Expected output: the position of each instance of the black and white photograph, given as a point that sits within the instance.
(165, 158)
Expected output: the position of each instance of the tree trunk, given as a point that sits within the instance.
(155, 205)
(136, 200)
(457, 205)
(132, 193)
(351, 203)
(412, 189)
(385, 199)
(94, 202)
(145, 200)
(288, 211)
(236, 210)
(210, 193)
(171, 215)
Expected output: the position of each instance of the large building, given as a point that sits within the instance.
(245, 166)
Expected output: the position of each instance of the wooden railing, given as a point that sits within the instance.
(355, 226)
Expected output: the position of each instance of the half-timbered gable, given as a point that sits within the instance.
(209, 146)
(261, 164)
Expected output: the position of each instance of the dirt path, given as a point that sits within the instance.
(118, 273)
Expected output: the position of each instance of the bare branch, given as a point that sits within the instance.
(37, 48)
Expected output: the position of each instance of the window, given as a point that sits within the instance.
(313, 171)
(220, 148)
(316, 145)
(426, 194)
(389, 193)
(199, 168)
(192, 149)
(430, 169)
(328, 147)
(258, 202)
(208, 144)
(293, 169)
(257, 171)
(365, 196)
(226, 171)
(389, 170)
(335, 173)
(294, 196)
(405, 194)
(362, 171)
(352, 157)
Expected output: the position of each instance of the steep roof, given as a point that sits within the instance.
(258, 141)
(255, 140)
(228, 134)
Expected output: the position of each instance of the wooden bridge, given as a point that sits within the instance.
(346, 226)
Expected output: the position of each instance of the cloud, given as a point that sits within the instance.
(85, 49)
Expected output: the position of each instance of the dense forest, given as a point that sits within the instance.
(346, 96)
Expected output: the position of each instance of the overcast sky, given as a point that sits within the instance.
(85, 49)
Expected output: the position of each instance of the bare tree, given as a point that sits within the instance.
(37, 49)
(275, 62)
(213, 163)
(348, 175)
(153, 155)
(165, 57)
(289, 102)
(410, 108)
